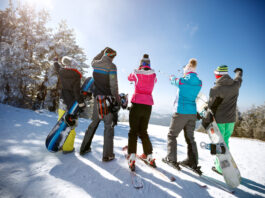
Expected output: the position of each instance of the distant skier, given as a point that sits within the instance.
(142, 101)
(184, 117)
(106, 88)
(223, 103)
(70, 79)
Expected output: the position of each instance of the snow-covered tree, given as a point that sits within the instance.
(251, 124)
(28, 46)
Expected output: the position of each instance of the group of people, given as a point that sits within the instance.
(222, 102)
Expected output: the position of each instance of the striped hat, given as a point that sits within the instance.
(221, 70)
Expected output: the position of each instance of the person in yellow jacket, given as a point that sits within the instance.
(70, 79)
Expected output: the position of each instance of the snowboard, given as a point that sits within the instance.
(229, 168)
(214, 148)
(61, 130)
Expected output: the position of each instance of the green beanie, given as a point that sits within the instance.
(221, 70)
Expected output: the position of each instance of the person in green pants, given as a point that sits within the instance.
(223, 103)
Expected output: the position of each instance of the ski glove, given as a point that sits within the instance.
(71, 120)
(207, 120)
(239, 70)
(81, 106)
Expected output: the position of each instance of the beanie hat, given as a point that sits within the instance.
(191, 66)
(110, 52)
(221, 70)
(67, 61)
(145, 62)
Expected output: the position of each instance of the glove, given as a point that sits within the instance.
(81, 106)
(171, 77)
(71, 120)
(239, 70)
(207, 120)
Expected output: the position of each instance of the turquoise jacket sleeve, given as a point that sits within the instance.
(174, 80)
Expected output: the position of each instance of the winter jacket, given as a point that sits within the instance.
(105, 76)
(144, 85)
(70, 80)
(188, 88)
(223, 98)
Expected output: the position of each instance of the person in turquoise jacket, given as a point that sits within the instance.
(184, 117)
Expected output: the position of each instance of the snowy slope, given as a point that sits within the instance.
(27, 169)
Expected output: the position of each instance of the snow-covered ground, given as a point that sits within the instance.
(27, 169)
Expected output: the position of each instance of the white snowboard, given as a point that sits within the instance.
(229, 168)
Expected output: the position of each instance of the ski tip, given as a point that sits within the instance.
(172, 179)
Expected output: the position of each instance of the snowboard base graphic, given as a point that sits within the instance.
(229, 168)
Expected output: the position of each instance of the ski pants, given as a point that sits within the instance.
(69, 142)
(138, 119)
(91, 130)
(187, 123)
(226, 130)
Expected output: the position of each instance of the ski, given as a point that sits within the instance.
(135, 179)
(200, 185)
(210, 180)
(158, 170)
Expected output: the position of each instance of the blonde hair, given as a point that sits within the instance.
(192, 63)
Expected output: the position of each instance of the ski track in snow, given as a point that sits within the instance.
(27, 169)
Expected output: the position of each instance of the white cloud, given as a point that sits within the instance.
(192, 28)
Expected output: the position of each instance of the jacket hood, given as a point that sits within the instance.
(225, 80)
(192, 79)
(105, 59)
(142, 71)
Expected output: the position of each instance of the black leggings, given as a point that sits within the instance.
(139, 118)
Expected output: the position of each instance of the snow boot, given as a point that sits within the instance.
(194, 167)
(131, 161)
(149, 159)
(171, 163)
(85, 152)
(107, 159)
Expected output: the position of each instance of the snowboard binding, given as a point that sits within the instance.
(218, 148)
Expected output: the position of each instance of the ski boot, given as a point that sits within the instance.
(85, 152)
(148, 159)
(109, 158)
(131, 161)
(171, 163)
(186, 163)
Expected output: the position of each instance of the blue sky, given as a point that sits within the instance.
(214, 32)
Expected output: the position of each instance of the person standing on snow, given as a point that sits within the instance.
(223, 103)
(105, 86)
(70, 79)
(184, 117)
(142, 101)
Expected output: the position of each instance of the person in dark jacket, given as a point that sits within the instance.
(70, 79)
(105, 86)
(142, 101)
(223, 103)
